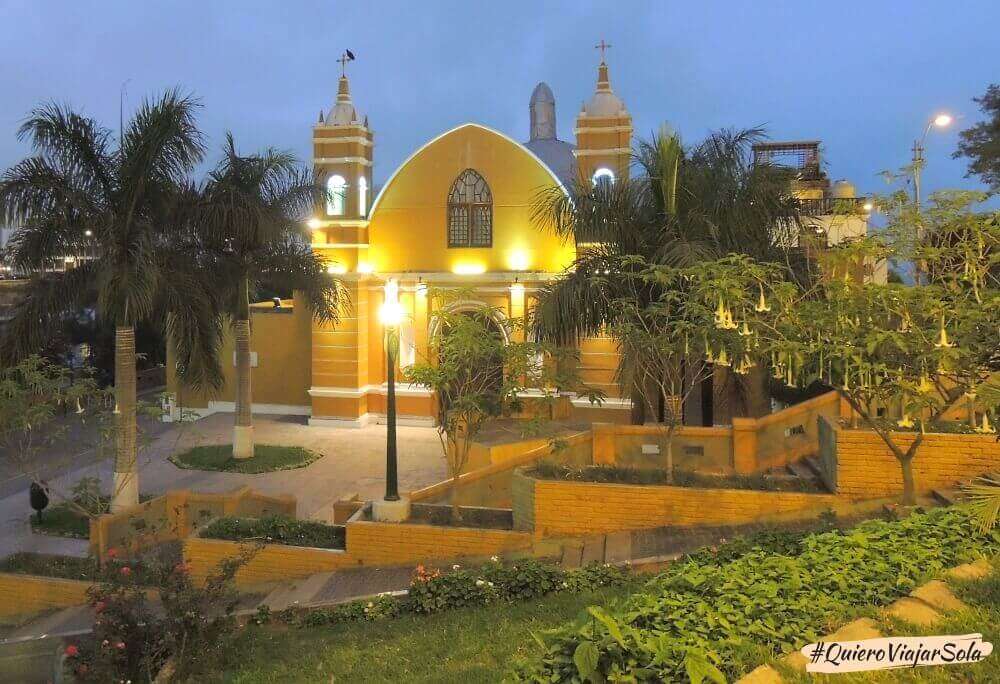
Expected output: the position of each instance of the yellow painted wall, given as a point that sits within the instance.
(23, 595)
(408, 226)
(282, 341)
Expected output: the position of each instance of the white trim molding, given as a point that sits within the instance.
(342, 160)
(601, 129)
(402, 390)
(347, 138)
(367, 419)
(596, 153)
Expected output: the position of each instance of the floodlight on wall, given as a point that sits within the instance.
(314, 224)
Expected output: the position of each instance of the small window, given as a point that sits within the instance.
(336, 195)
(470, 211)
(603, 176)
(362, 196)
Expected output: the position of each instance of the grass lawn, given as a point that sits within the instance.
(266, 459)
(463, 645)
(62, 520)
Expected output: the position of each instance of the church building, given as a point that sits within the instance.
(456, 214)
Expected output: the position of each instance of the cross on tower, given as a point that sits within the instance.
(344, 59)
(602, 46)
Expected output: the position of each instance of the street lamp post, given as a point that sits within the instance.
(940, 121)
(392, 507)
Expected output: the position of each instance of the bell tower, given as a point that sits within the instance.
(603, 132)
(342, 160)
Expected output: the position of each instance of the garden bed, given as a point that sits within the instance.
(266, 459)
(50, 565)
(472, 516)
(613, 474)
(277, 530)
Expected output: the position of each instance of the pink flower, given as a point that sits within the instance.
(72, 651)
(126, 571)
(99, 606)
(120, 645)
(111, 553)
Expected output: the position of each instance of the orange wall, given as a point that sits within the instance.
(866, 467)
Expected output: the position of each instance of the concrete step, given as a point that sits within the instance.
(812, 462)
(946, 497)
(297, 592)
(801, 470)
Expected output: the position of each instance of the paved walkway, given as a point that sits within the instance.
(353, 461)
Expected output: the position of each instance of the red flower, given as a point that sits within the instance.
(111, 553)
(126, 570)
(72, 651)
(120, 645)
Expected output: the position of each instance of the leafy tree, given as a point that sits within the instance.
(705, 316)
(119, 210)
(981, 143)
(250, 221)
(922, 352)
(477, 376)
(686, 206)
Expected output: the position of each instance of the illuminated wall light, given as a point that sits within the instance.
(519, 260)
(469, 269)
(314, 224)
(391, 312)
(365, 267)
(517, 289)
(421, 287)
(336, 269)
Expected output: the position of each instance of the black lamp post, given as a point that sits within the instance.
(391, 315)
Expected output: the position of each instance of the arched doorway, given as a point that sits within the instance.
(479, 347)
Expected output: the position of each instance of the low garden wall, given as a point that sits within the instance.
(368, 543)
(176, 514)
(748, 445)
(23, 595)
(490, 485)
(866, 468)
(557, 507)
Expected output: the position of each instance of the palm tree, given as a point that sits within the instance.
(117, 210)
(251, 222)
(684, 207)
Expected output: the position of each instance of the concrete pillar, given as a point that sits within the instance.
(745, 445)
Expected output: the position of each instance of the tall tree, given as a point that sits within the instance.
(981, 143)
(116, 210)
(251, 221)
(684, 207)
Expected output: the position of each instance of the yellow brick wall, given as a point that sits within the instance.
(581, 508)
(368, 543)
(866, 467)
(22, 595)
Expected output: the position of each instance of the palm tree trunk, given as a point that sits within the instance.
(243, 445)
(126, 477)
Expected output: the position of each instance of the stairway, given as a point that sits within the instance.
(804, 472)
(949, 496)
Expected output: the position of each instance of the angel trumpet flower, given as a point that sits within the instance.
(762, 305)
(722, 359)
(925, 386)
(943, 342)
(986, 428)
(905, 421)
(745, 330)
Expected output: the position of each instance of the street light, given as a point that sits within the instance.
(940, 121)
(391, 314)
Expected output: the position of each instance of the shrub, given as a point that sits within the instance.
(132, 642)
(711, 615)
(277, 530)
(660, 476)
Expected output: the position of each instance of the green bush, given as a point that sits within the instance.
(660, 476)
(277, 530)
(432, 591)
(695, 617)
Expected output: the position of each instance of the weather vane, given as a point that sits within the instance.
(602, 46)
(348, 56)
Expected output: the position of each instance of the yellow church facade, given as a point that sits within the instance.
(457, 214)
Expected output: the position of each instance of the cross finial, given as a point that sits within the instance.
(602, 46)
(344, 59)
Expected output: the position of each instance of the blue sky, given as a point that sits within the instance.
(862, 76)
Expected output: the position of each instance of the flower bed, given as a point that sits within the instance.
(277, 530)
(49, 565)
(730, 615)
(660, 476)
(472, 516)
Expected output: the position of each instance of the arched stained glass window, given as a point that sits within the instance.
(470, 211)
(336, 195)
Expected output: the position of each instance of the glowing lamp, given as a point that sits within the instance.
(469, 269)
(519, 260)
(390, 314)
(88, 232)
(336, 269)
(868, 206)
(517, 289)
(314, 223)
(365, 267)
(942, 120)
